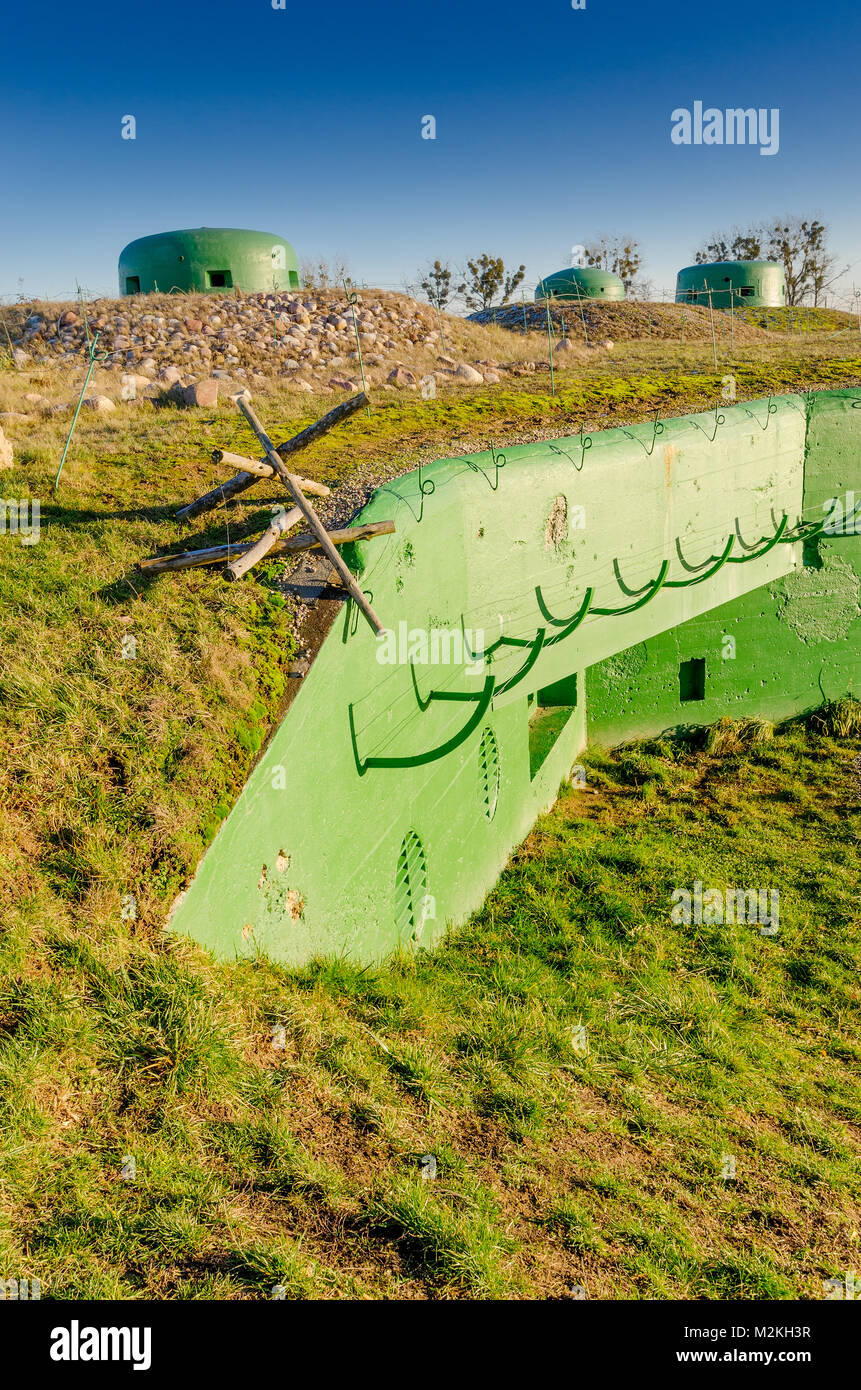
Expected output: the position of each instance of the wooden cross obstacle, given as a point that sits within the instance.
(274, 541)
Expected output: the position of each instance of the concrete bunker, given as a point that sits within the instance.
(683, 598)
(732, 284)
(208, 260)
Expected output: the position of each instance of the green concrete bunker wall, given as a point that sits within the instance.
(581, 282)
(777, 651)
(208, 260)
(738, 284)
(585, 572)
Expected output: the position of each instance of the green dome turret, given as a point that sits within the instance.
(581, 282)
(208, 260)
(754, 284)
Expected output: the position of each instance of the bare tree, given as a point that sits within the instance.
(799, 245)
(641, 289)
(736, 246)
(621, 255)
(485, 278)
(320, 274)
(435, 284)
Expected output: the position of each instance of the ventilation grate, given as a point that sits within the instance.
(411, 882)
(488, 762)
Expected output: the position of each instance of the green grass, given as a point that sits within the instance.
(562, 1157)
(801, 319)
(278, 1120)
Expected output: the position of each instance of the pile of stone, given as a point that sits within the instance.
(308, 340)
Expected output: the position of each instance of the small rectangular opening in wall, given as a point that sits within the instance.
(562, 692)
(133, 284)
(545, 726)
(294, 280)
(810, 557)
(692, 679)
(219, 280)
(745, 291)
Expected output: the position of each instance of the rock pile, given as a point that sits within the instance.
(306, 338)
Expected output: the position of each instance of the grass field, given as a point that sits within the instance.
(801, 320)
(578, 1068)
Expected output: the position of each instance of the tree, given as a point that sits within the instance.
(802, 249)
(619, 254)
(740, 246)
(435, 284)
(641, 289)
(800, 245)
(320, 274)
(486, 277)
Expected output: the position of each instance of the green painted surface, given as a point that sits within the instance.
(581, 282)
(391, 795)
(777, 651)
(742, 284)
(211, 260)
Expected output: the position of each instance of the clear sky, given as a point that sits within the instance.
(552, 125)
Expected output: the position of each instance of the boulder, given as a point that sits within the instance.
(402, 376)
(20, 357)
(202, 393)
(169, 375)
(102, 405)
(7, 458)
(469, 375)
(69, 319)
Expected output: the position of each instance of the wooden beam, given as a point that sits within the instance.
(265, 470)
(235, 569)
(291, 482)
(242, 481)
(217, 554)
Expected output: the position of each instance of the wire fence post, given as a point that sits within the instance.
(732, 320)
(94, 357)
(439, 321)
(582, 314)
(712, 320)
(549, 339)
(352, 300)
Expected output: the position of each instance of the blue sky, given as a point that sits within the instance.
(553, 125)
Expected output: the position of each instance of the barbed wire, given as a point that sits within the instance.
(456, 306)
